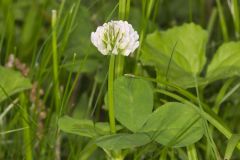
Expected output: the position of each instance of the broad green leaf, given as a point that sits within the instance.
(75, 126)
(84, 127)
(175, 124)
(226, 62)
(11, 82)
(185, 44)
(123, 141)
(133, 101)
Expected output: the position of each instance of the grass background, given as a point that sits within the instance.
(69, 75)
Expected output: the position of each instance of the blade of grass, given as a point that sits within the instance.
(55, 62)
(112, 12)
(206, 126)
(234, 8)
(192, 152)
(57, 96)
(13, 130)
(100, 93)
(156, 9)
(26, 133)
(90, 102)
(224, 95)
(88, 150)
(76, 79)
(147, 9)
(69, 25)
(222, 21)
(228, 94)
(233, 141)
(19, 106)
(64, 98)
(9, 22)
(211, 22)
(1, 47)
(4, 113)
(163, 155)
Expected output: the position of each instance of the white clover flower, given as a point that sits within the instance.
(115, 37)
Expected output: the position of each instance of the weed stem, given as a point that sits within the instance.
(110, 94)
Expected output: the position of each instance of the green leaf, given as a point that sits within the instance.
(232, 143)
(123, 141)
(226, 62)
(12, 82)
(175, 124)
(133, 101)
(84, 127)
(185, 44)
(80, 127)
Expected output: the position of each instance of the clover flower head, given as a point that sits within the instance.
(115, 37)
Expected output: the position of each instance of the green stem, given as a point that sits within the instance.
(110, 95)
(122, 9)
(128, 3)
(123, 12)
(57, 98)
(120, 65)
(26, 133)
(55, 61)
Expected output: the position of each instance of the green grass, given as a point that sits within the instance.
(51, 46)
